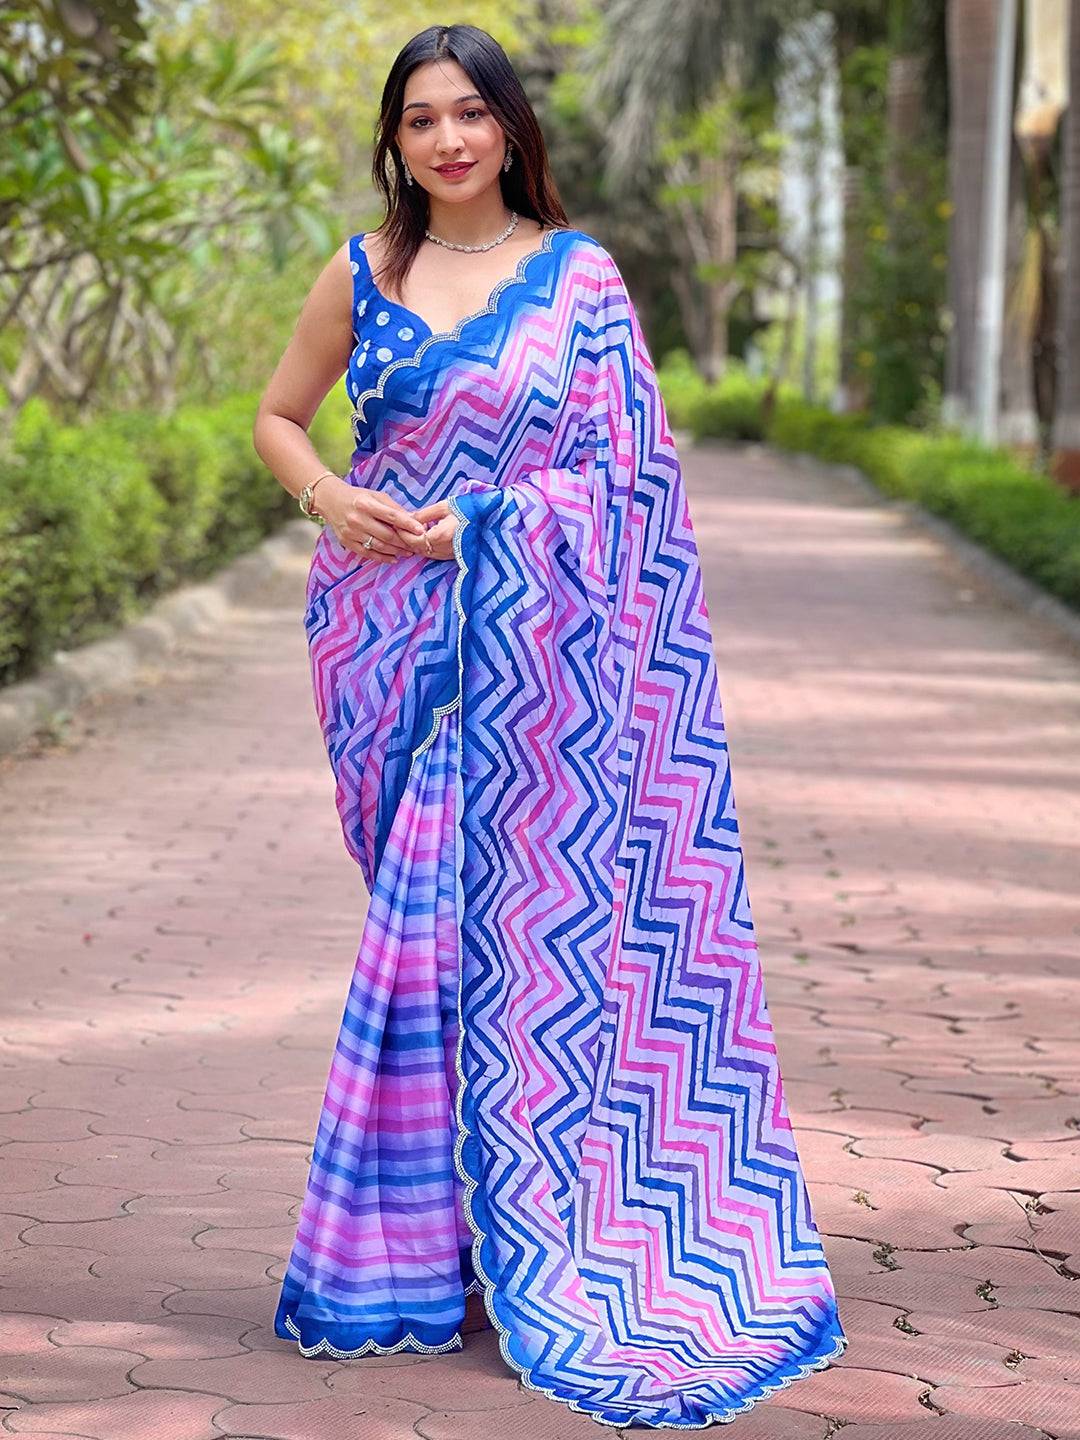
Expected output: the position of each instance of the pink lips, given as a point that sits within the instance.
(450, 171)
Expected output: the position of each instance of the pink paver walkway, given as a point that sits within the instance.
(179, 921)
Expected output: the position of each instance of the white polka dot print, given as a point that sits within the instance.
(392, 333)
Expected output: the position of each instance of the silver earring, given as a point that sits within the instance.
(408, 172)
(508, 159)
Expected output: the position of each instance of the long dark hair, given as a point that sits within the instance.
(527, 186)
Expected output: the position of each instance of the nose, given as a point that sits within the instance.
(447, 141)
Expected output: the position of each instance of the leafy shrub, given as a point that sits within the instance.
(731, 407)
(96, 520)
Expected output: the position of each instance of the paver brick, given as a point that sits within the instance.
(336, 1419)
(122, 1235)
(961, 1362)
(67, 1203)
(489, 1385)
(82, 1372)
(948, 1427)
(255, 1304)
(536, 1421)
(220, 1208)
(886, 1214)
(46, 1124)
(252, 1377)
(188, 1267)
(1051, 1407)
(1033, 1176)
(847, 1392)
(1038, 1333)
(162, 1414)
(940, 1150)
(163, 1337)
(18, 1174)
(767, 1421)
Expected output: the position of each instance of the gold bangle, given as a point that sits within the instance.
(315, 482)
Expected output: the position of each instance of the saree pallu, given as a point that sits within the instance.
(556, 1081)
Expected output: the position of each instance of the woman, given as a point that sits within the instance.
(555, 1087)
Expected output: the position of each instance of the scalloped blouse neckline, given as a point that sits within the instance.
(516, 275)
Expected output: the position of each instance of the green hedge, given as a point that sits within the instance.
(1017, 513)
(731, 409)
(98, 520)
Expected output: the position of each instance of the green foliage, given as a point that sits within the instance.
(96, 520)
(683, 387)
(130, 229)
(863, 80)
(69, 60)
(788, 358)
(897, 301)
(731, 407)
(899, 337)
(800, 427)
(731, 136)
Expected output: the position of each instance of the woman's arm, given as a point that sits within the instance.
(315, 359)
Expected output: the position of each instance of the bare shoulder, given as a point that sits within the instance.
(319, 347)
(332, 287)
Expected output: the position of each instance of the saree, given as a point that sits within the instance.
(555, 1081)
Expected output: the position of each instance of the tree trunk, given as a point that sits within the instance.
(813, 287)
(1018, 422)
(971, 35)
(721, 211)
(853, 392)
(1066, 460)
(905, 111)
(708, 236)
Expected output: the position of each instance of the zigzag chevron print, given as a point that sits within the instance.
(555, 1080)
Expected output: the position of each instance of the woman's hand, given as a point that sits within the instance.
(354, 512)
(441, 534)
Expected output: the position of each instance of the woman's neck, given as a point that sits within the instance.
(471, 223)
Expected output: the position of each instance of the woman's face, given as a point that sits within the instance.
(444, 121)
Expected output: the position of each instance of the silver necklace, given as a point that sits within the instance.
(488, 244)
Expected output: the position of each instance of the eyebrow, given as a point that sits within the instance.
(426, 104)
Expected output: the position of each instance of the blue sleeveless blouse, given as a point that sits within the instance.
(383, 330)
